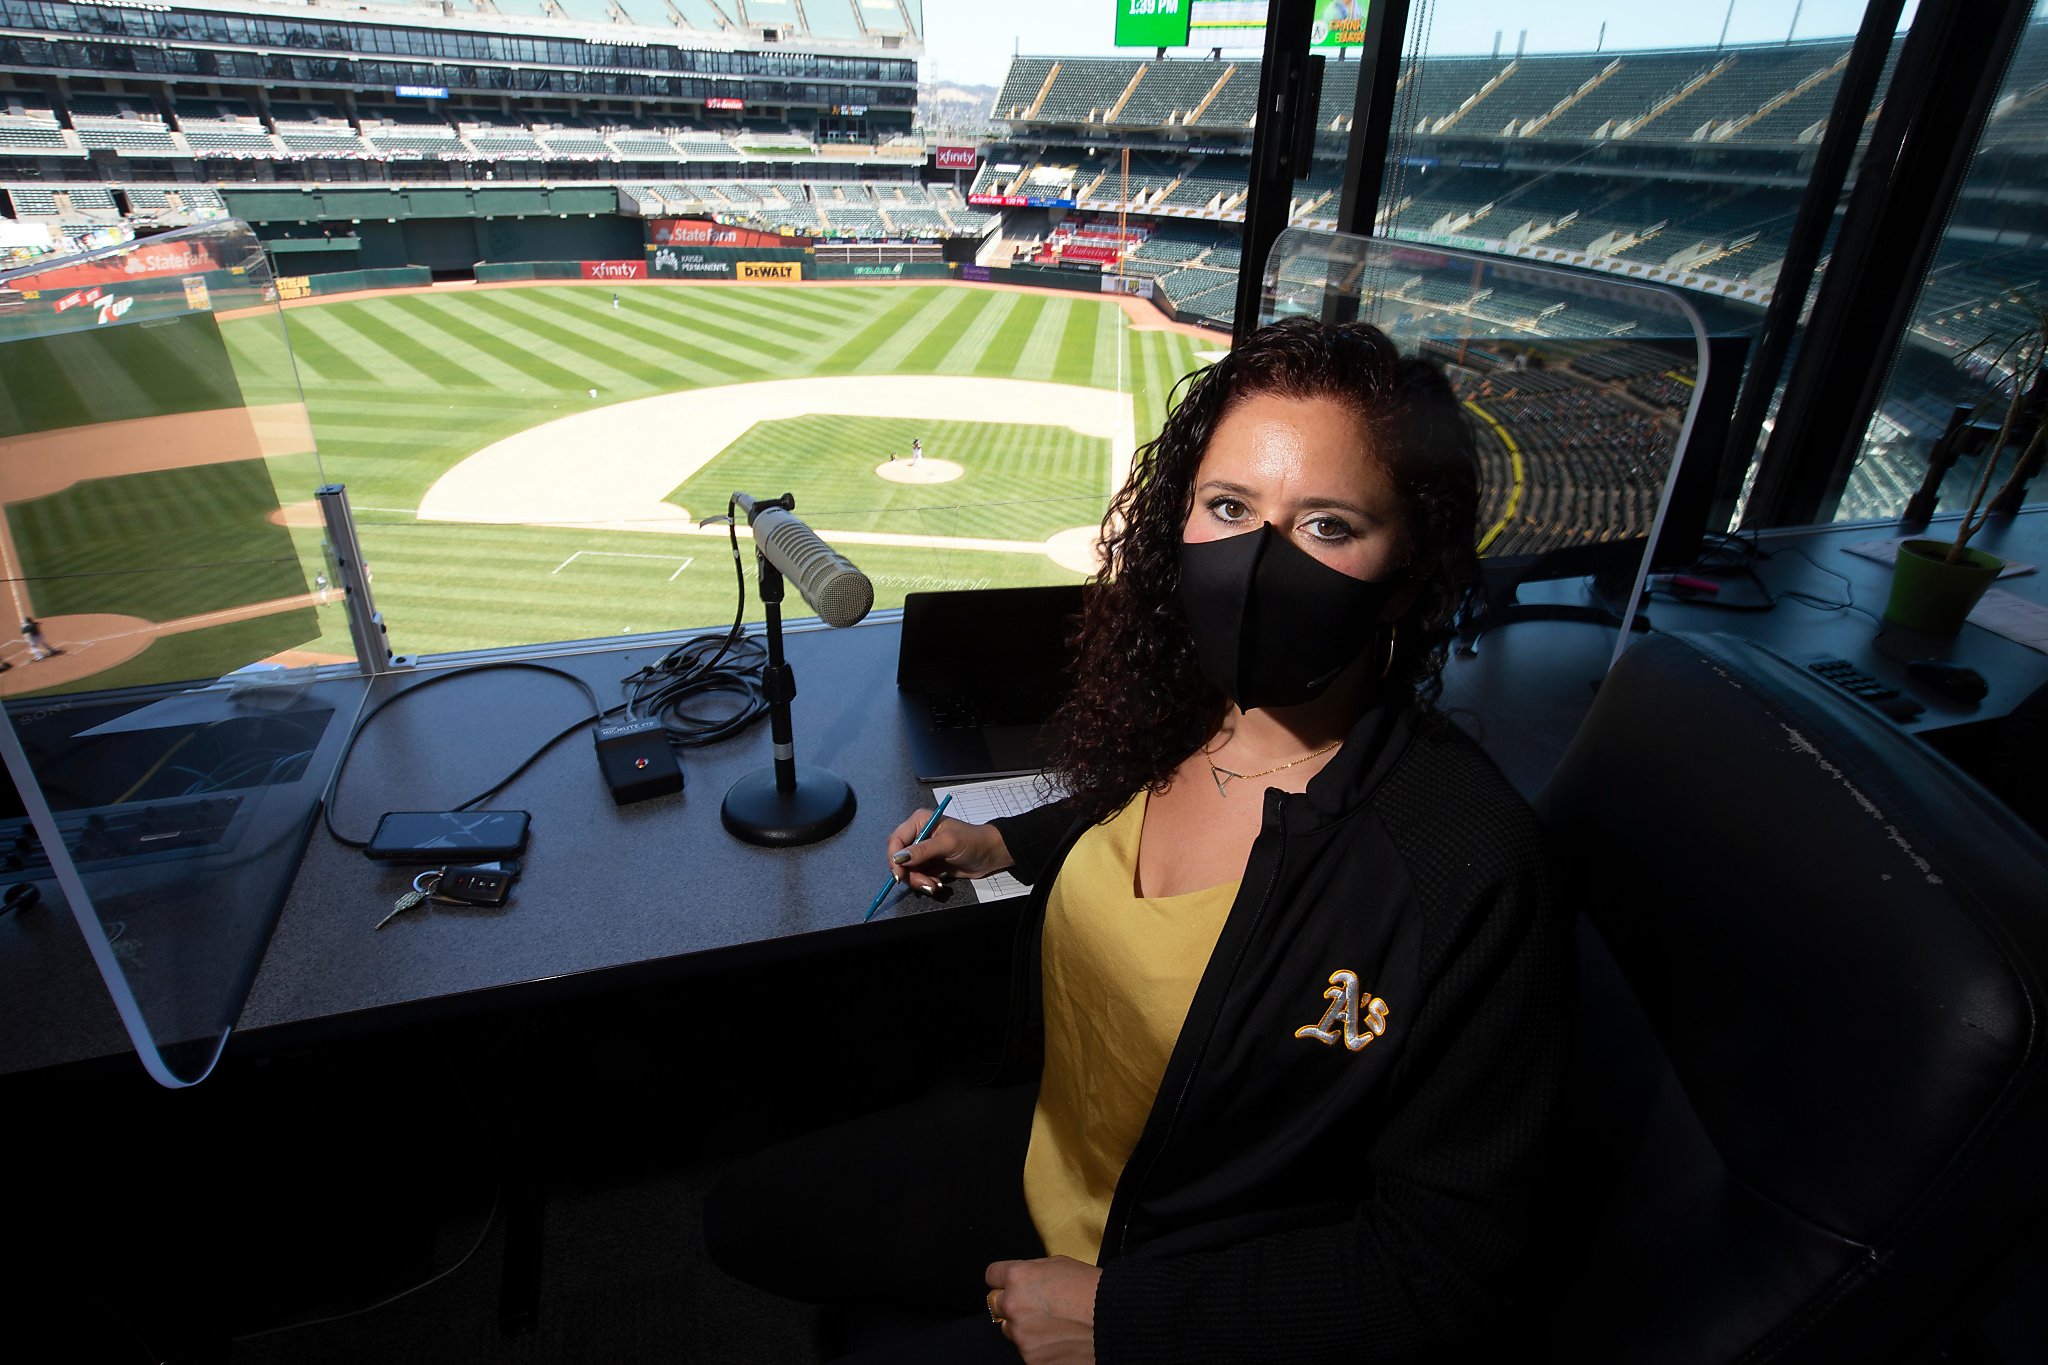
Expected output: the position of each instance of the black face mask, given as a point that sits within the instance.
(1272, 625)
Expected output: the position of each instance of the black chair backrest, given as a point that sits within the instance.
(1811, 1121)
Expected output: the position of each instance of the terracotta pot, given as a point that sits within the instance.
(1932, 595)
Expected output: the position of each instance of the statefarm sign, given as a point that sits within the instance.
(614, 270)
(168, 258)
(702, 232)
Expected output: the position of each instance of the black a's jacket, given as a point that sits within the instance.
(1322, 1176)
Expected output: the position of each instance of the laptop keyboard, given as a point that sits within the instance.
(1030, 706)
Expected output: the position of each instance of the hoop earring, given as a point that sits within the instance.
(1393, 629)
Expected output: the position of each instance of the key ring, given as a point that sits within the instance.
(428, 889)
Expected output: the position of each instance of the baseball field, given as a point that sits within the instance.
(532, 463)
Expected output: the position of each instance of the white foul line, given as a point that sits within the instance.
(687, 561)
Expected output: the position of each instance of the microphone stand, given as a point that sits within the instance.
(791, 803)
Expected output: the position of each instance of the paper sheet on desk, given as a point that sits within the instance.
(979, 802)
(2015, 618)
(1887, 551)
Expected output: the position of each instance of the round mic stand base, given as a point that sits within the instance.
(760, 812)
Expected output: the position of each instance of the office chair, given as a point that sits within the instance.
(1809, 1114)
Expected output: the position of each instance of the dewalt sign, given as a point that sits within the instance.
(771, 270)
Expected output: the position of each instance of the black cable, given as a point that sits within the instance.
(662, 690)
(455, 1081)
(1730, 552)
(665, 690)
(597, 709)
(483, 1234)
(658, 691)
(1809, 600)
(1737, 556)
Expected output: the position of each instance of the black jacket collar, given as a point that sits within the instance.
(1370, 751)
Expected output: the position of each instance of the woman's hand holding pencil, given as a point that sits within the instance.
(929, 849)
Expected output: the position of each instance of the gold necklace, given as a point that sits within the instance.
(1223, 775)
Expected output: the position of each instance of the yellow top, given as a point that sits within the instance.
(1119, 972)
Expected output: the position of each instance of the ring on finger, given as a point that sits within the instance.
(997, 1318)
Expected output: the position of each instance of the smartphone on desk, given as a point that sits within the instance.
(446, 836)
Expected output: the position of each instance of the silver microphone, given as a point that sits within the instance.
(836, 590)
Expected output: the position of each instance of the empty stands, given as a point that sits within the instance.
(32, 201)
(574, 144)
(33, 132)
(1168, 92)
(1086, 91)
(1020, 87)
(495, 144)
(124, 125)
(1235, 101)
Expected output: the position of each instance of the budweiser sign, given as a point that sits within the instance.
(957, 158)
(614, 270)
(724, 102)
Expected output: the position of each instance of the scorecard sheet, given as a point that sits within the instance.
(980, 802)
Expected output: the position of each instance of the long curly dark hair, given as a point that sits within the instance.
(1140, 704)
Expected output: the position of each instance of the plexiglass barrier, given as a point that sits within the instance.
(1584, 391)
(179, 682)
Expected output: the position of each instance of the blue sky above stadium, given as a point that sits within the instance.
(972, 41)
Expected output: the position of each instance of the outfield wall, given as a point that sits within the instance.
(312, 243)
(352, 282)
(678, 265)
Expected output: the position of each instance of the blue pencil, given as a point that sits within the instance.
(929, 825)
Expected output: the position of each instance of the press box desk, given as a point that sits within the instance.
(632, 896)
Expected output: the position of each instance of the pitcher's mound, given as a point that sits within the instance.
(930, 471)
(1075, 549)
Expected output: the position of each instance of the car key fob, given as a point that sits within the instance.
(483, 884)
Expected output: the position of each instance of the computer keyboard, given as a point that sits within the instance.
(951, 711)
(112, 835)
(1865, 688)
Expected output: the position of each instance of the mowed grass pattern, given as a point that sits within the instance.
(1020, 482)
(403, 387)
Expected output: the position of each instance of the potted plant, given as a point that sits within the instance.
(1936, 584)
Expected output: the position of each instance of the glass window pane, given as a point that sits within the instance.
(1988, 280)
(1670, 147)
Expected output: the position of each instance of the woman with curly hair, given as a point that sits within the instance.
(1292, 998)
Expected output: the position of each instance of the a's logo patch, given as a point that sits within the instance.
(1357, 1016)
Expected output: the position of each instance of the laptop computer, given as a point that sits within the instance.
(978, 673)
